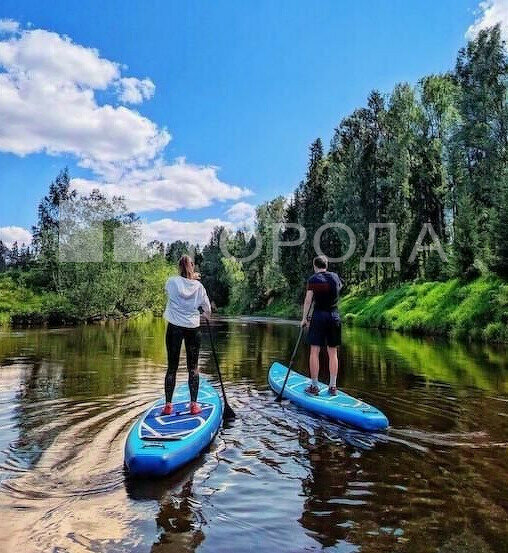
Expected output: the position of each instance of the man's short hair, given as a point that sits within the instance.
(321, 262)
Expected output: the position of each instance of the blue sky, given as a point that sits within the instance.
(198, 110)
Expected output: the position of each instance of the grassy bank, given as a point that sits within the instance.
(280, 307)
(20, 306)
(477, 310)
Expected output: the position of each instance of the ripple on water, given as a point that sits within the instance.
(277, 478)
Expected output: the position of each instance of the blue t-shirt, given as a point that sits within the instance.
(326, 287)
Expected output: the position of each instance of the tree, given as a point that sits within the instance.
(465, 240)
(24, 257)
(269, 277)
(13, 255)
(176, 249)
(482, 74)
(4, 250)
(500, 263)
(213, 274)
(312, 199)
(291, 269)
(46, 231)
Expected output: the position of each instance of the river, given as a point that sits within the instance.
(275, 479)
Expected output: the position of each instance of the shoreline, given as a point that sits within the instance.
(475, 311)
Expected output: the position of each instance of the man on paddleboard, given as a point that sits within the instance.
(325, 329)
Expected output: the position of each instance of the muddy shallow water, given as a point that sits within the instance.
(275, 479)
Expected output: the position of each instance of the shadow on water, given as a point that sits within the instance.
(277, 478)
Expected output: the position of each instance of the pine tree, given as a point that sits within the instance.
(482, 74)
(46, 232)
(501, 235)
(313, 205)
(289, 267)
(176, 249)
(3, 256)
(212, 269)
(14, 255)
(465, 240)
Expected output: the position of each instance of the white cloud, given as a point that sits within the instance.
(48, 104)
(8, 26)
(166, 187)
(242, 213)
(169, 230)
(54, 57)
(134, 91)
(9, 235)
(491, 12)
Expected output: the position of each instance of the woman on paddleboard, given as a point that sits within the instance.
(186, 298)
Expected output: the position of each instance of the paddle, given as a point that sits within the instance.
(279, 395)
(228, 412)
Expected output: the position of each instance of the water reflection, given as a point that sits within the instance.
(179, 518)
(276, 478)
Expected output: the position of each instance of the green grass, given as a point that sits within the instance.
(476, 310)
(281, 307)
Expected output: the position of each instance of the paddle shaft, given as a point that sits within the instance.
(228, 412)
(279, 395)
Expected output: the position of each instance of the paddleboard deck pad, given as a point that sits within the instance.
(342, 407)
(158, 444)
(177, 426)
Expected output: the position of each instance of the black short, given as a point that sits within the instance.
(325, 329)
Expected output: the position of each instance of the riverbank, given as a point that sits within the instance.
(20, 306)
(23, 307)
(87, 292)
(476, 311)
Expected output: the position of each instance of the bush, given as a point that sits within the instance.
(350, 318)
(495, 332)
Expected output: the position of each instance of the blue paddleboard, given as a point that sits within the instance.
(159, 444)
(341, 407)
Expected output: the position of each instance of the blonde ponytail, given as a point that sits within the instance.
(186, 266)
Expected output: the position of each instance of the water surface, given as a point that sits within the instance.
(277, 478)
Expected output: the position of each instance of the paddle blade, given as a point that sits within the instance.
(229, 414)
(278, 399)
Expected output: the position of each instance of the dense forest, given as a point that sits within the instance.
(434, 153)
(431, 160)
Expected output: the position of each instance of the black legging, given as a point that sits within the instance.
(174, 336)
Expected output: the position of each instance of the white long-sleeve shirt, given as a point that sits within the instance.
(185, 297)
